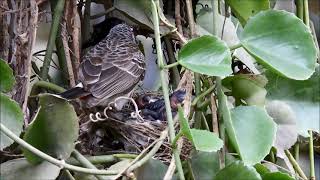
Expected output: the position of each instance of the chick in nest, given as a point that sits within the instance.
(153, 108)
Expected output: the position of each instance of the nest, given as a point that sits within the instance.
(121, 132)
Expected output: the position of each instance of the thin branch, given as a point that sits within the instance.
(58, 9)
(86, 163)
(175, 75)
(152, 152)
(69, 174)
(171, 65)
(59, 163)
(86, 22)
(311, 156)
(165, 132)
(306, 17)
(178, 16)
(234, 47)
(299, 7)
(59, 46)
(202, 95)
(164, 85)
(215, 125)
(295, 165)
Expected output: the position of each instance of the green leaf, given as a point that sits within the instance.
(244, 9)
(247, 87)
(204, 165)
(261, 169)
(237, 170)
(302, 97)
(202, 140)
(22, 169)
(252, 132)
(277, 176)
(280, 41)
(12, 117)
(54, 129)
(205, 140)
(6, 79)
(206, 55)
(152, 168)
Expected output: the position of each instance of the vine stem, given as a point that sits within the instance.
(295, 164)
(59, 163)
(58, 9)
(165, 88)
(311, 156)
(299, 5)
(86, 163)
(195, 101)
(174, 142)
(306, 13)
(234, 47)
(171, 65)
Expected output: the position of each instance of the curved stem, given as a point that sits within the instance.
(48, 86)
(174, 142)
(195, 101)
(60, 163)
(164, 85)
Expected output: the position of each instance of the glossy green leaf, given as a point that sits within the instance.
(12, 117)
(206, 141)
(237, 170)
(205, 26)
(202, 140)
(247, 87)
(252, 132)
(280, 41)
(22, 169)
(54, 129)
(6, 79)
(204, 165)
(244, 9)
(277, 176)
(206, 55)
(302, 97)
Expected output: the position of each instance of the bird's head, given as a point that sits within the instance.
(123, 31)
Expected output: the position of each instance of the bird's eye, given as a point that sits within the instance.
(131, 29)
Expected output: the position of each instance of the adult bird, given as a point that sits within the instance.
(112, 68)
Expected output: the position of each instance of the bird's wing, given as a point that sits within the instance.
(115, 72)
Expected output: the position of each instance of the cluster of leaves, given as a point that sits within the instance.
(265, 104)
(53, 130)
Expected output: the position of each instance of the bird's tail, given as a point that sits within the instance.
(74, 93)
